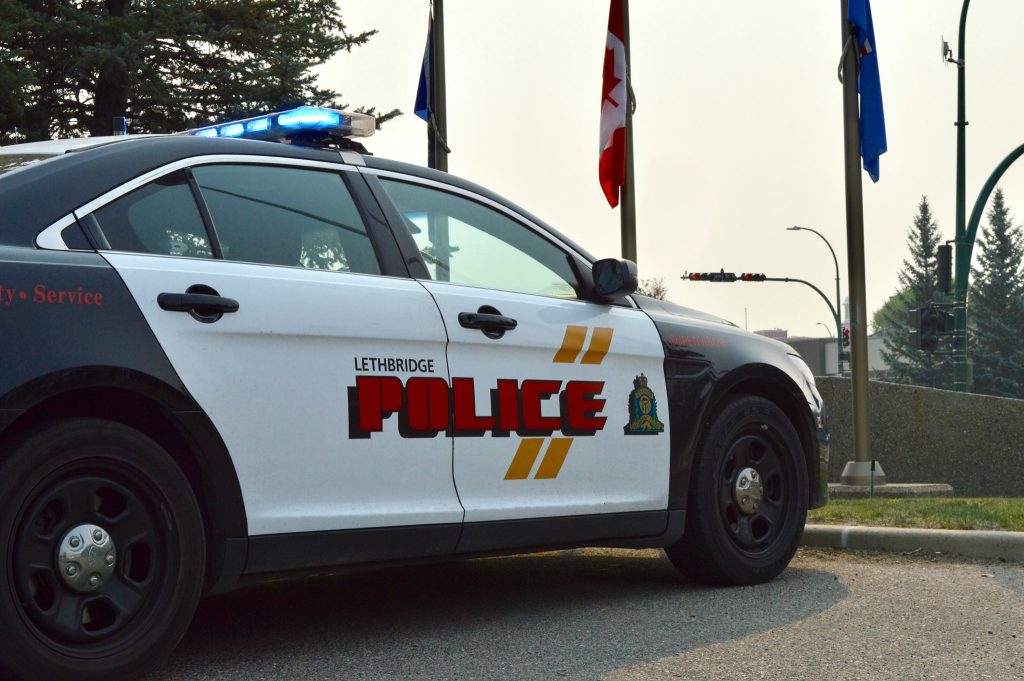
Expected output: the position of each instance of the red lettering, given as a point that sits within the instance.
(533, 393)
(98, 298)
(580, 408)
(466, 419)
(426, 400)
(507, 409)
(87, 298)
(379, 397)
(39, 294)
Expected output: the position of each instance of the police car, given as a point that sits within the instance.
(254, 349)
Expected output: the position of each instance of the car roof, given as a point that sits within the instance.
(39, 195)
(63, 146)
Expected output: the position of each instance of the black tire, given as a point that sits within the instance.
(728, 540)
(67, 475)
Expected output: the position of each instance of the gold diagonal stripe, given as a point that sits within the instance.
(572, 343)
(553, 459)
(522, 462)
(599, 344)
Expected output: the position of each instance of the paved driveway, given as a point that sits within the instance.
(618, 615)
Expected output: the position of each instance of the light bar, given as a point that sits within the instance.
(284, 124)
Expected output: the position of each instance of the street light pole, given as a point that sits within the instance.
(839, 323)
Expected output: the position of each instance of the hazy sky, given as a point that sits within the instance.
(738, 129)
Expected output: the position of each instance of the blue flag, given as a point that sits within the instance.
(872, 118)
(423, 93)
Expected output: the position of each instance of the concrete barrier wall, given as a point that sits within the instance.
(973, 442)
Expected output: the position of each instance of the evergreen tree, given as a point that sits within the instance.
(918, 288)
(69, 67)
(996, 306)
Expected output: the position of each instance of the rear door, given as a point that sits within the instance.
(545, 385)
(317, 316)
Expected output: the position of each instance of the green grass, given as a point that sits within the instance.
(982, 513)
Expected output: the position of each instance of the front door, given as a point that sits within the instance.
(545, 415)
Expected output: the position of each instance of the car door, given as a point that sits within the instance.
(317, 317)
(544, 385)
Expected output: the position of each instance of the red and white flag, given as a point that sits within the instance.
(612, 166)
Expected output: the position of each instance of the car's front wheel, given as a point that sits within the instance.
(747, 497)
(102, 552)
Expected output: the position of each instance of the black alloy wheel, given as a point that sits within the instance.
(102, 552)
(748, 494)
(753, 487)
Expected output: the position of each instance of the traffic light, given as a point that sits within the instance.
(846, 336)
(721, 277)
(944, 256)
(928, 325)
(748, 276)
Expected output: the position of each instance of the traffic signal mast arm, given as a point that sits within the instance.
(729, 277)
(831, 307)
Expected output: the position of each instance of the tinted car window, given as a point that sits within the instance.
(286, 216)
(465, 242)
(160, 217)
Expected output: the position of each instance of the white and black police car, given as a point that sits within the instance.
(254, 349)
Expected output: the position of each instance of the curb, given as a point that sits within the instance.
(969, 543)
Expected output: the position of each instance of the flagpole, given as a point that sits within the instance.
(438, 132)
(627, 213)
(862, 470)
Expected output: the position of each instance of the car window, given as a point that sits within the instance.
(465, 242)
(286, 216)
(160, 217)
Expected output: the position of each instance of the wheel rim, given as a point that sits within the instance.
(755, 489)
(76, 615)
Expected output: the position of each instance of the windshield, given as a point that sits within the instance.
(9, 162)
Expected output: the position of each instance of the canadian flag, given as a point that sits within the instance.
(612, 166)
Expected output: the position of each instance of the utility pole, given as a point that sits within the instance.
(627, 213)
(862, 470)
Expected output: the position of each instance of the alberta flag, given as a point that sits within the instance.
(872, 118)
(424, 104)
(612, 165)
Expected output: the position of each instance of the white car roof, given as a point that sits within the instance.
(62, 146)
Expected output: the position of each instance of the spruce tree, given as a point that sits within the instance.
(918, 288)
(996, 306)
(69, 67)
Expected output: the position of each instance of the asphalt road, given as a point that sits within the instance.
(618, 615)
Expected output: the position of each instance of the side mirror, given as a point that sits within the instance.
(614, 278)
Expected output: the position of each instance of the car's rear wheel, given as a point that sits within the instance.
(747, 498)
(101, 553)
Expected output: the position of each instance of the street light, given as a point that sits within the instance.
(827, 330)
(839, 323)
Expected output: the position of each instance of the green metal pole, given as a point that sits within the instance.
(627, 214)
(963, 246)
(979, 204)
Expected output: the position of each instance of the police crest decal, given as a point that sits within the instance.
(643, 410)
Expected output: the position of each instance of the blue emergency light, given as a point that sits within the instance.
(285, 124)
